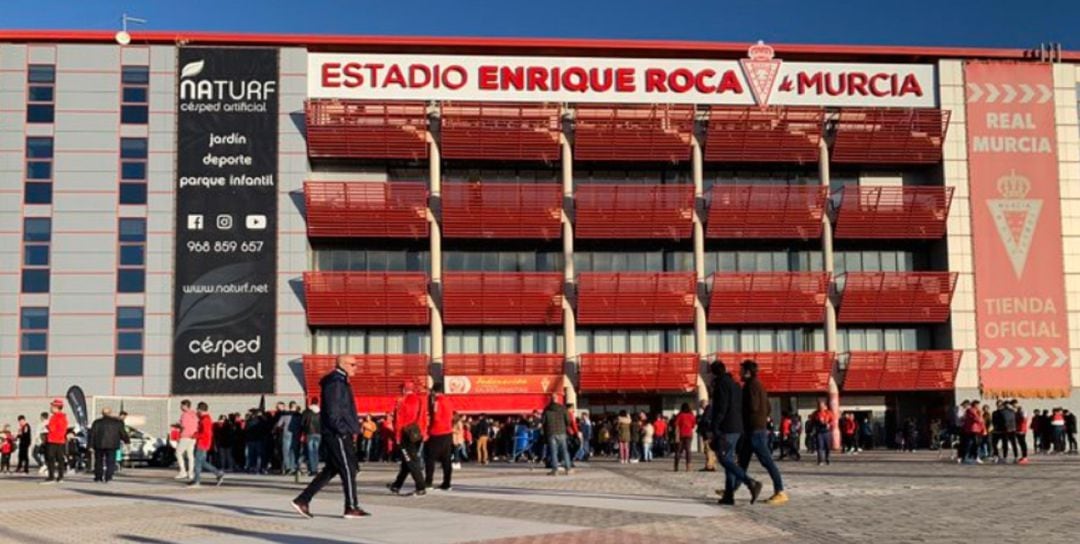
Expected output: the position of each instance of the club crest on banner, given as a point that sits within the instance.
(761, 70)
(1015, 217)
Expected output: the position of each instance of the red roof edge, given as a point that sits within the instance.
(649, 48)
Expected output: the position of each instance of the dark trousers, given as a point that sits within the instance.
(1021, 439)
(340, 461)
(823, 439)
(756, 444)
(682, 447)
(438, 450)
(410, 464)
(734, 475)
(104, 465)
(56, 460)
(24, 458)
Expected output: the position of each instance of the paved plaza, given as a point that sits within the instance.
(872, 497)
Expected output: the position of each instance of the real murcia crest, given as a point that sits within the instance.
(761, 70)
(1015, 217)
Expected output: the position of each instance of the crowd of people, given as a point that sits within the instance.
(981, 434)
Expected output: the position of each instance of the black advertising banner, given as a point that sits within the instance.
(224, 296)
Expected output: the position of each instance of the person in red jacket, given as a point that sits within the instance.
(411, 430)
(440, 444)
(56, 442)
(847, 432)
(204, 440)
(685, 423)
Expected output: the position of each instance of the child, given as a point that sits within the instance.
(7, 445)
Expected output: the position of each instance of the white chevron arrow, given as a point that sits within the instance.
(1025, 357)
(1006, 357)
(1047, 94)
(1061, 357)
(1043, 357)
(1010, 93)
(992, 93)
(975, 92)
(989, 358)
(1029, 93)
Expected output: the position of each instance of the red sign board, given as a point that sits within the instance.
(503, 385)
(1016, 231)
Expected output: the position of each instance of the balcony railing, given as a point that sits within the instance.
(786, 372)
(500, 131)
(366, 209)
(768, 297)
(502, 210)
(766, 211)
(495, 364)
(766, 136)
(652, 372)
(366, 298)
(896, 297)
(502, 298)
(376, 375)
(614, 211)
(901, 370)
(892, 212)
(635, 298)
(633, 133)
(889, 136)
(359, 129)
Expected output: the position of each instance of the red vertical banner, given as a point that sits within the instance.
(1016, 231)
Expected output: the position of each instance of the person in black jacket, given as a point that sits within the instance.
(106, 434)
(725, 428)
(339, 425)
(25, 439)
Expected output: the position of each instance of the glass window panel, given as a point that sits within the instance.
(602, 341)
(780, 261)
(842, 341)
(874, 340)
(134, 95)
(395, 261)
(34, 318)
(638, 342)
(40, 93)
(134, 115)
(133, 148)
(33, 365)
(39, 148)
(41, 73)
(893, 341)
(415, 342)
(489, 262)
(634, 261)
(508, 342)
(766, 340)
(620, 341)
(748, 340)
(470, 341)
(131, 280)
(583, 262)
(727, 261)
(129, 341)
(474, 261)
(135, 74)
(34, 341)
(818, 340)
(603, 262)
(854, 261)
(376, 342)
(129, 318)
(909, 340)
(39, 170)
(37, 229)
(38, 193)
(785, 341)
(907, 263)
(40, 113)
(889, 261)
(817, 261)
(133, 193)
(132, 229)
(35, 280)
(585, 342)
(856, 340)
(489, 341)
(871, 261)
(395, 341)
(132, 255)
(36, 255)
(453, 342)
(129, 364)
(454, 261)
(133, 170)
(747, 262)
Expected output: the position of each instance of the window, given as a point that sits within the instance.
(130, 324)
(39, 167)
(341, 260)
(766, 340)
(133, 155)
(134, 102)
(362, 341)
(131, 272)
(37, 236)
(33, 343)
(503, 341)
(40, 93)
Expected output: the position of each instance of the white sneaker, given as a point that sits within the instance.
(181, 476)
(42, 469)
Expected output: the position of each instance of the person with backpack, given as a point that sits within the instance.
(440, 441)
(411, 427)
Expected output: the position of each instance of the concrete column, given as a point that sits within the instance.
(701, 338)
(435, 188)
(569, 275)
(831, 344)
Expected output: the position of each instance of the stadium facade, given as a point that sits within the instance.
(215, 216)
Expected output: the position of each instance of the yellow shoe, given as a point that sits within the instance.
(777, 499)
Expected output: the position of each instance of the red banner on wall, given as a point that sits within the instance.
(1016, 231)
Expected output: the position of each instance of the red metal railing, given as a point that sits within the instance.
(502, 364)
(502, 298)
(376, 375)
(892, 212)
(502, 210)
(366, 130)
(500, 131)
(639, 372)
(641, 298)
(366, 209)
(768, 297)
(896, 297)
(786, 371)
(605, 132)
(366, 298)
(772, 135)
(633, 211)
(901, 370)
(889, 136)
(766, 211)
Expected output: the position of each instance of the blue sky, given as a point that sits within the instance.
(975, 23)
